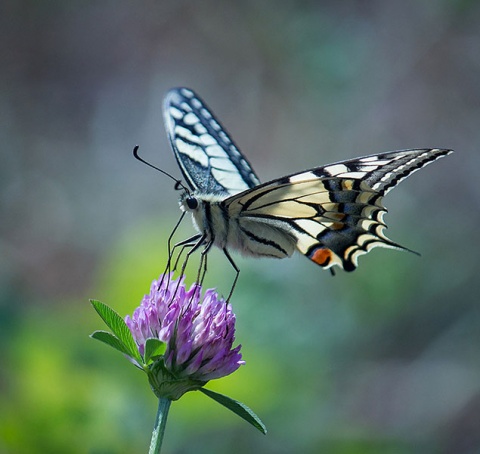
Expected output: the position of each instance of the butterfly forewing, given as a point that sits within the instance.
(210, 161)
(382, 172)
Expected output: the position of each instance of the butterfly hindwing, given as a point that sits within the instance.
(335, 212)
(210, 161)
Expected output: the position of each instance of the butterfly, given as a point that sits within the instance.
(331, 214)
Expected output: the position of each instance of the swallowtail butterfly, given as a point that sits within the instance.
(331, 214)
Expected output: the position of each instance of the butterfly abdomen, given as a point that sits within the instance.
(263, 239)
(223, 228)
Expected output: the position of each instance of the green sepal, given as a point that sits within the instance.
(153, 349)
(237, 407)
(167, 385)
(119, 328)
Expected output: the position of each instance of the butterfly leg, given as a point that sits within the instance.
(237, 270)
(203, 258)
(171, 250)
(169, 242)
(194, 242)
(189, 242)
(202, 269)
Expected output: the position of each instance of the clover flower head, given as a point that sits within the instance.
(198, 332)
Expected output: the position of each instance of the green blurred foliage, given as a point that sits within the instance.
(383, 360)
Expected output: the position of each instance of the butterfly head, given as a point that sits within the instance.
(194, 201)
(191, 203)
(188, 202)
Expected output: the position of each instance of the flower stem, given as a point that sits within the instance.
(160, 423)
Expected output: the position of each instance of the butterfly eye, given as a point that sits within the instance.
(192, 203)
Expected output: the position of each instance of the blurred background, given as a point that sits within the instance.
(382, 360)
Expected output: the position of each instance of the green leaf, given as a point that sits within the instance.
(153, 348)
(237, 407)
(119, 328)
(110, 339)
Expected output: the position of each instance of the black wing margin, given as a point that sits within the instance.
(382, 172)
(209, 160)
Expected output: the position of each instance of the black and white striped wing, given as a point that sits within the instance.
(382, 172)
(333, 213)
(210, 161)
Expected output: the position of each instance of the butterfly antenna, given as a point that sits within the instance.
(178, 183)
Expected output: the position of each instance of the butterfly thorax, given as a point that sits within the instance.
(223, 224)
(207, 217)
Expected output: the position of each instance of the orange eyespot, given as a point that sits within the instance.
(322, 256)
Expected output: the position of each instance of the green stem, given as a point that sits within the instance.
(160, 423)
